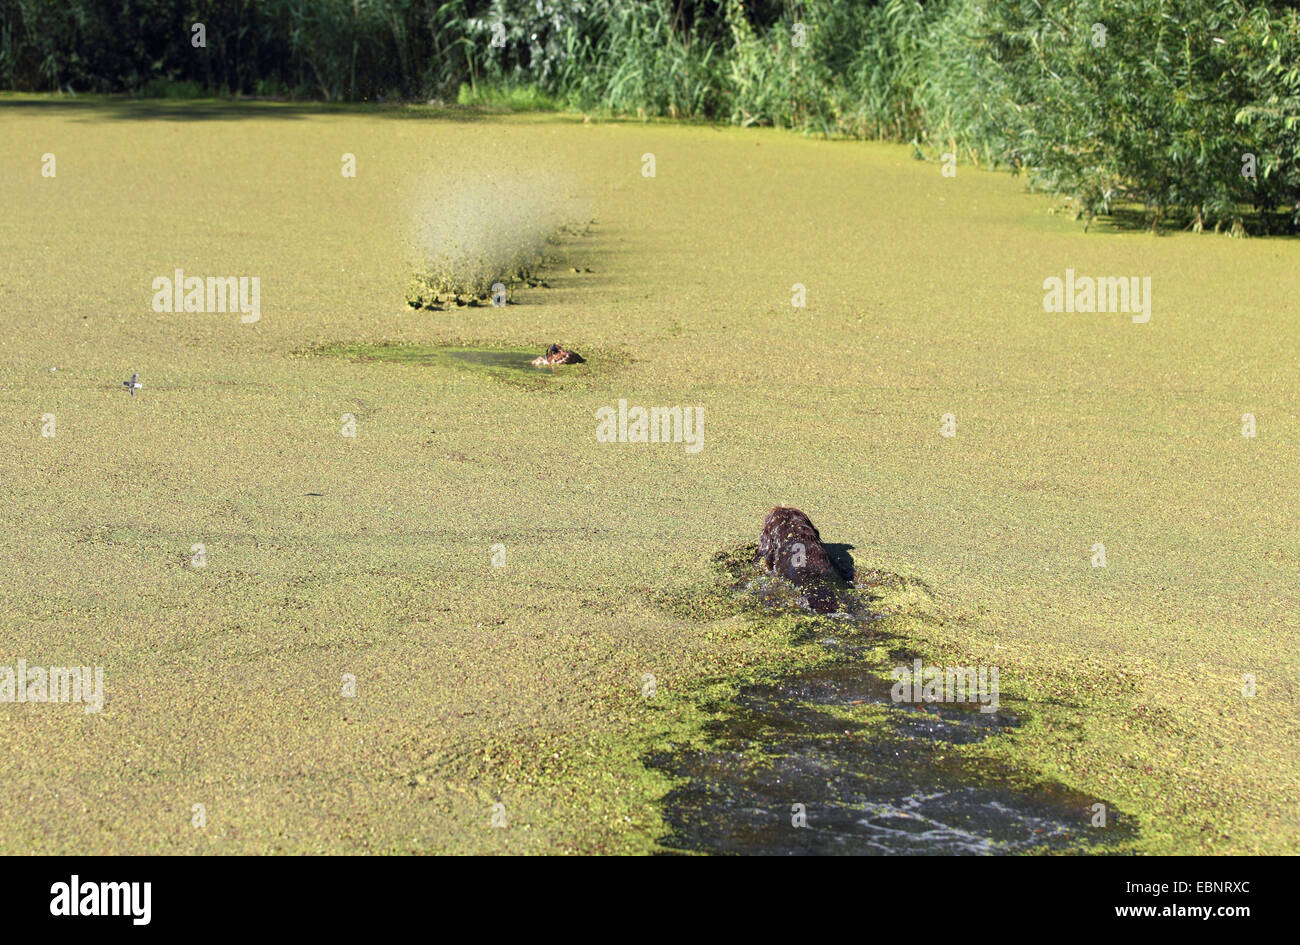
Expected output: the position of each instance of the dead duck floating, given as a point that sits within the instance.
(556, 355)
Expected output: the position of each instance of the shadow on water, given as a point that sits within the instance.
(125, 108)
(1134, 218)
(873, 776)
(501, 360)
(840, 556)
(510, 365)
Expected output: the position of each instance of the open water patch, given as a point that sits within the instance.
(825, 761)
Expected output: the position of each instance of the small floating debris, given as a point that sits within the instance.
(557, 355)
(133, 384)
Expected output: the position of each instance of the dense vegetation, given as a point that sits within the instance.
(1189, 109)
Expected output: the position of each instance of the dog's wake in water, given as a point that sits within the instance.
(826, 760)
(783, 772)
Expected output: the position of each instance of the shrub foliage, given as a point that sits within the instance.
(1190, 108)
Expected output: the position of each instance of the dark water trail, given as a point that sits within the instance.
(886, 781)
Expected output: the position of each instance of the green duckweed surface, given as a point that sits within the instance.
(331, 557)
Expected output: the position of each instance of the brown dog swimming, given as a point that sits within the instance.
(791, 546)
